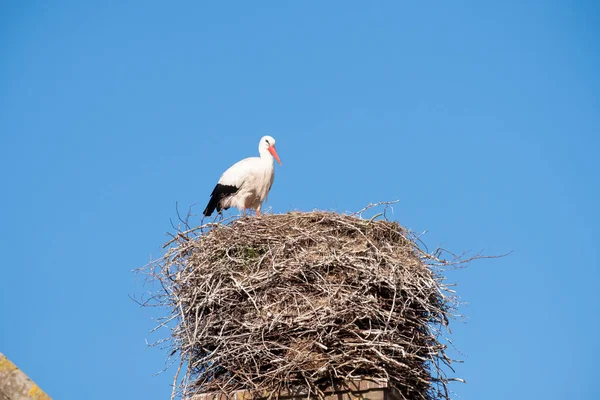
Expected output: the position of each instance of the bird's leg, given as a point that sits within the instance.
(244, 212)
(258, 211)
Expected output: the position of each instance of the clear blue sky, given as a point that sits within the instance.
(482, 118)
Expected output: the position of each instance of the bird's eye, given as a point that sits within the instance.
(266, 140)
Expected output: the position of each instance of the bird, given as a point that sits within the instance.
(246, 184)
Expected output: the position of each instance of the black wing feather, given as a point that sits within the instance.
(219, 193)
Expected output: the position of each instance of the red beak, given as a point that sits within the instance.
(274, 154)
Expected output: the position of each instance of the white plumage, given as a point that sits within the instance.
(246, 184)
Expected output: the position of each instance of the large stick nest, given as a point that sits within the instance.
(303, 301)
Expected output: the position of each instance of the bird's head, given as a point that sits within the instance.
(268, 143)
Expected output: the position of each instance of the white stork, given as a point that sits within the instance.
(246, 183)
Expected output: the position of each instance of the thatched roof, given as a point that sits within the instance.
(301, 301)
